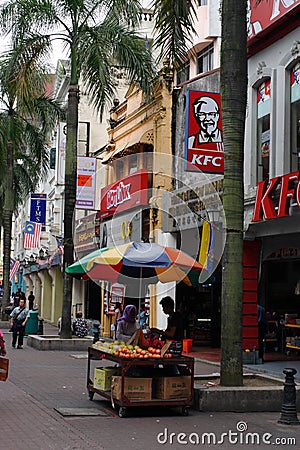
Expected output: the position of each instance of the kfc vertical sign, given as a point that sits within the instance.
(204, 141)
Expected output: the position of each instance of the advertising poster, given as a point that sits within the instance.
(204, 141)
(86, 182)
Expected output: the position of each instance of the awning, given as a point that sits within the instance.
(119, 152)
(123, 150)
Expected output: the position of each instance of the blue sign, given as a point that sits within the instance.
(38, 208)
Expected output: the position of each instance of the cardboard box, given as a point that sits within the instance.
(134, 388)
(103, 377)
(166, 388)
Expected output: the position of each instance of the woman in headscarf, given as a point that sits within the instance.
(127, 324)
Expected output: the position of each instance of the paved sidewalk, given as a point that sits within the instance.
(41, 383)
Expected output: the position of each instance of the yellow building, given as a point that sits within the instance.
(140, 146)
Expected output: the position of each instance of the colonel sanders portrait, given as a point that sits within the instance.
(207, 114)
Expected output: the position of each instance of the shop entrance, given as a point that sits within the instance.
(280, 294)
(93, 302)
(201, 310)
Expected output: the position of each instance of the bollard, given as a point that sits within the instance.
(289, 409)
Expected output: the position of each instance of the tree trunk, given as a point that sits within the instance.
(69, 207)
(7, 220)
(234, 97)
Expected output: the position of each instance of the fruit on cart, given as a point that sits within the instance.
(128, 351)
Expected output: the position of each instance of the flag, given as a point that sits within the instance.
(207, 247)
(204, 246)
(13, 267)
(32, 234)
(211, 251)
(60, 246)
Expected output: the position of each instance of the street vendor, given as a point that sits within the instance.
(127, 324)
(174, 330)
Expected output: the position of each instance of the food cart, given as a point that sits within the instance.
(126, 391)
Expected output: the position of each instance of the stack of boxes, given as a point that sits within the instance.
(137, 388)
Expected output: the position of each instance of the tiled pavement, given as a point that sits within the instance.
(42, 382)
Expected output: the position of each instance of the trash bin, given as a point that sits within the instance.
(32, 323)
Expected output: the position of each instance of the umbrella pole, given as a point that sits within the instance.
(140, 289)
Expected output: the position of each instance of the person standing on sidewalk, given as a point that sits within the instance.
(31, 298)
(18, 319)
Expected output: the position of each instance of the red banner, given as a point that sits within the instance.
(124, 194)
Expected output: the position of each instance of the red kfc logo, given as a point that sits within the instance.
(265, 13)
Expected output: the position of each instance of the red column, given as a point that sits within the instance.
(250, 295)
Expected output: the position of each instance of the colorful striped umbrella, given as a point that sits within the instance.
(147, 261)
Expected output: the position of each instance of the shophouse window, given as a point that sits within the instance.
(206, 59)
(119, 169)
(202, 2)
(148, 160)
(132, 163)
(263, 130)
(295, 117)
(184, 73)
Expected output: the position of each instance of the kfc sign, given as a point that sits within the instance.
(274, 197)
(209, 161)
(204, 141)
(122, 195)
(265, 13)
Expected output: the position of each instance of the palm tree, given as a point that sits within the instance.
(26, 117)
(234, 98)
(98, 34)
(233, 82)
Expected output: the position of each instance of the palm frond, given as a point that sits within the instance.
(105, 47)
(174, 27)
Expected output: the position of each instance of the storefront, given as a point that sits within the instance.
(124, 217)
(86, 240)
(275, 224)
(186, 211)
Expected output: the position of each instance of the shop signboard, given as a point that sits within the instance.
(186, 208)
(204, 148)
(121, 229)
(86, 228)
(130, 192)
(285, 253)
(117, 294)
(274, 197)
(262, 15)
(86, 182)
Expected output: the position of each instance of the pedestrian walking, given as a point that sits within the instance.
(80, 325)
(18, 319)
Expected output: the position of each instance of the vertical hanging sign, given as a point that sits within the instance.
(38, 209)
(204, 142)
(61, 153)
(86, 182)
